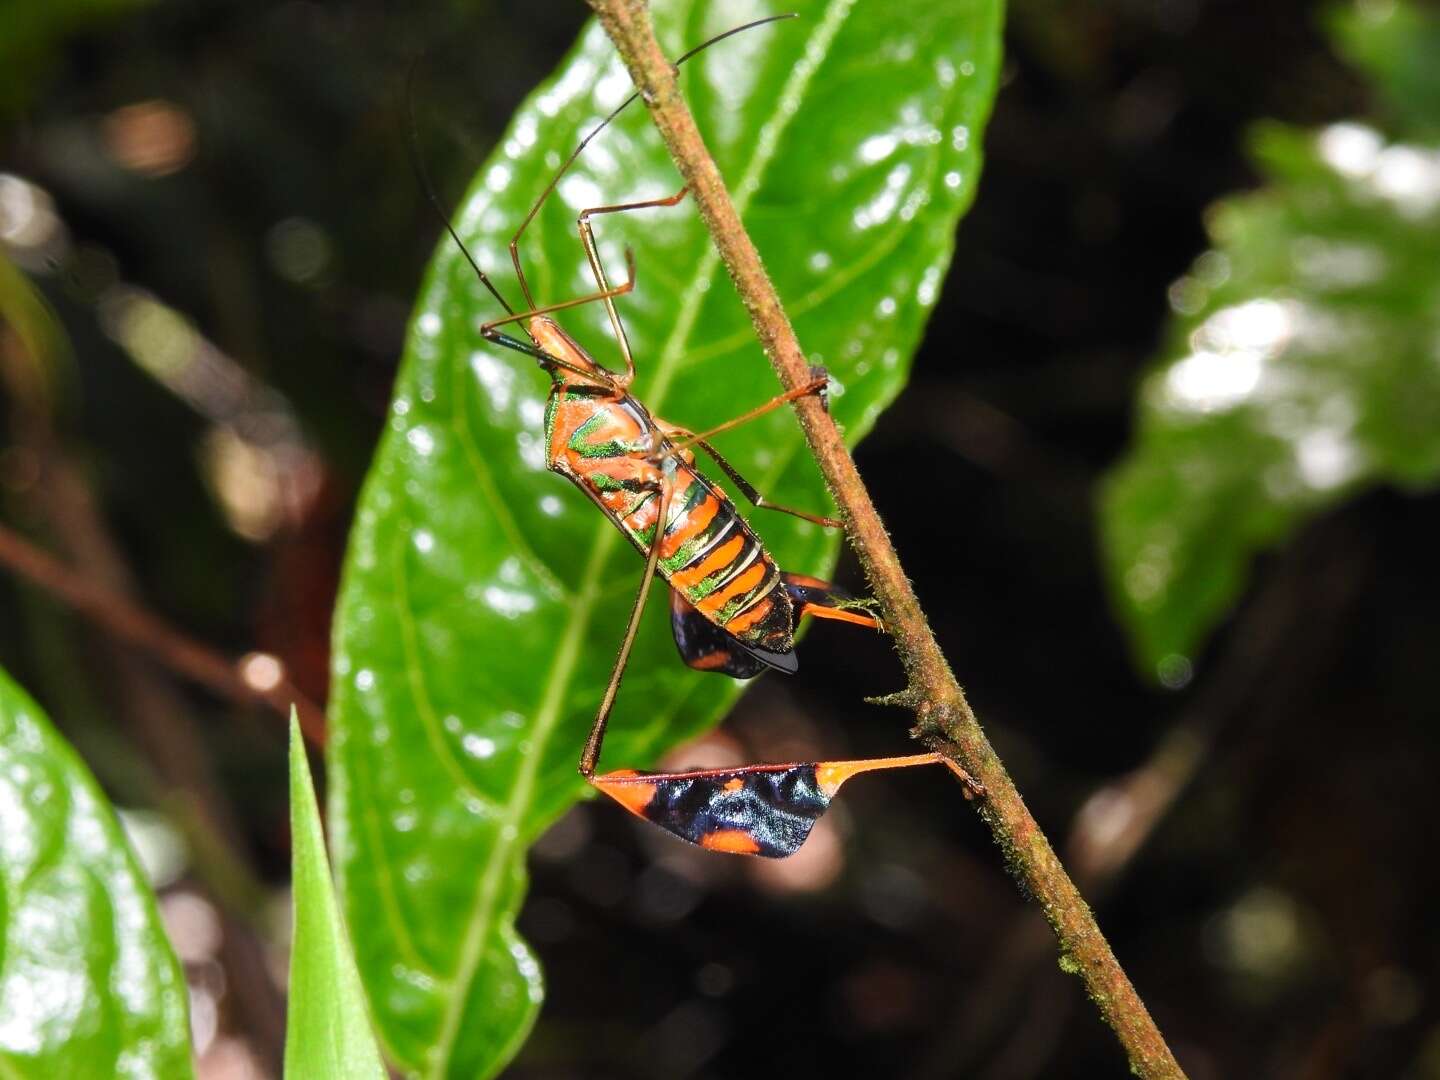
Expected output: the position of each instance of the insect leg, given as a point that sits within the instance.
(815, 386)
(606, 294)
(760, 502)
(824, 600)
(764, 810)
(591, 754)
(587, 238)
(686, 439)
(565, 166)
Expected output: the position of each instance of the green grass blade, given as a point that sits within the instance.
(328, 1033)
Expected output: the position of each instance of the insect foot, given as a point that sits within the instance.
(819, 372)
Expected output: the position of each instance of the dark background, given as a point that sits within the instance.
(1276, 910)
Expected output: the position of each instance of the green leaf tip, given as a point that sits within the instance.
(328, 1035)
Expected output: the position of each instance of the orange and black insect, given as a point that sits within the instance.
(733, 610)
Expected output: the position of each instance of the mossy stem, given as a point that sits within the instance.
(933, 693)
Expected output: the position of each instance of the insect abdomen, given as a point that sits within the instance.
(713, 559)
(708, 552)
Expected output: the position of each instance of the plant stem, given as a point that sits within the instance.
(945, 718)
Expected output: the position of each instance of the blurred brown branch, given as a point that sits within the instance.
(57, 496)
(151, 634)
(945, 718)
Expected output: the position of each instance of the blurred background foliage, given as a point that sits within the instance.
(1301, 365)
(217, 239)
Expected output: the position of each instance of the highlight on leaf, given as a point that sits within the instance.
(90, 985)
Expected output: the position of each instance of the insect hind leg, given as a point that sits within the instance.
(766, 810)
(590, 756)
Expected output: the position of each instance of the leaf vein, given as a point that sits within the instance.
(419, 692)
(480, 922)
(389, 898)
(504, 516)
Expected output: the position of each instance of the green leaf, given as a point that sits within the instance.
(89, 986)
(484, 598)
(1396, 45)
(1301, 368)
(327, 1029)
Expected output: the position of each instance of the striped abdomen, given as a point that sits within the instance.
(708, 553)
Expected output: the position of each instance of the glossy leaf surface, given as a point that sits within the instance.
(484, 598)
(327, 1028)
(89, 986)
(1301, 368)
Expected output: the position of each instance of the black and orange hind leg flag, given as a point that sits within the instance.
(765, 810)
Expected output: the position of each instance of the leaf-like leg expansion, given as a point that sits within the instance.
(764, 810)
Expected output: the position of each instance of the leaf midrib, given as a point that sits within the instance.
(567, 655)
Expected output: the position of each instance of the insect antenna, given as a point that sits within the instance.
(564, 168)
(417, 162)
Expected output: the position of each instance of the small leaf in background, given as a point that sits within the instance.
(1301, 369)
(484, 598)
(1396, 45)
(327, 1028)
(89, 986)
